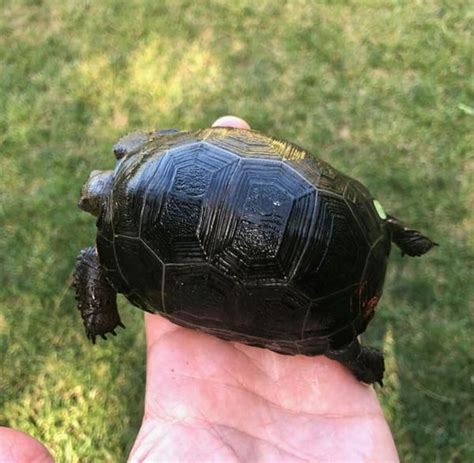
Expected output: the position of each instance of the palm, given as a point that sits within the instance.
(210, 400)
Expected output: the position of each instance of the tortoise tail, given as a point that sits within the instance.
(411, 242)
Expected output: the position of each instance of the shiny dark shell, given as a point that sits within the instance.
(244, 236)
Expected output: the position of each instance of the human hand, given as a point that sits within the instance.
(209, 400)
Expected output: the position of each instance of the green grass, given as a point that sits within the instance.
(381, 89)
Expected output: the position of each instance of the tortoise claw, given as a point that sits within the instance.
(92, 336)
(121, 325)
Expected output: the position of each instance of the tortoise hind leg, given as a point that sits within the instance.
(410, 241)
(365, 363)
(96, 299)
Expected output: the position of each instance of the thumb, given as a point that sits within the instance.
(18, 447)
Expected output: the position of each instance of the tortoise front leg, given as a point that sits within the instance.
(96, 299)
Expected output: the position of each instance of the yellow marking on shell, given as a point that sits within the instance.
(290, 152)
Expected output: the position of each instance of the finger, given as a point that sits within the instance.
(231, 121)
(21, 448)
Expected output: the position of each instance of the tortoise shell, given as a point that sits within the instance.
(244, 236)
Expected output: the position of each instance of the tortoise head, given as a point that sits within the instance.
(95, 191)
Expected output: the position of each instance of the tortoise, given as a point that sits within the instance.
(243, 236)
